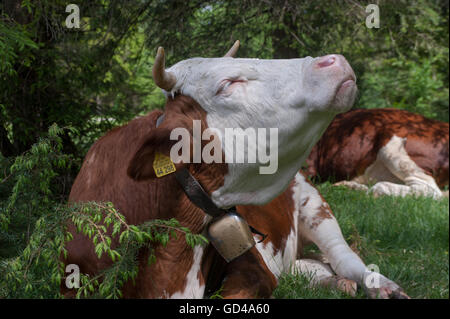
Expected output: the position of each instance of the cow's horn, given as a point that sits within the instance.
(231, 53)
(165, 80)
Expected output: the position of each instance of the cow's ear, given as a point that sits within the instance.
(141, 166)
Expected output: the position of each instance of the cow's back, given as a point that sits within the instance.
(103, 178)
(352, 141)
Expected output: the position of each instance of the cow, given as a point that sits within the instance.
(398, 152)
(299, 97)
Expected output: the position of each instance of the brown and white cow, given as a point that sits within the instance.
(398, 151)
(299, 97)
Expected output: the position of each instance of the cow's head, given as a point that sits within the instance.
(299, 97)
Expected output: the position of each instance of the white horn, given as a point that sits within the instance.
(165, 80)
(233, 50)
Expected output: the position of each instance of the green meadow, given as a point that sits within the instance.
(407, 238)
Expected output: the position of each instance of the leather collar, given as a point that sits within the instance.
(197, 195)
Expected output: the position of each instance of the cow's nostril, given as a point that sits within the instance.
(326, 61)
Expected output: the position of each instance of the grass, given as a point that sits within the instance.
(407, 238)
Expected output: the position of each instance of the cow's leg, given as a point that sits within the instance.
(320, 273)
(317, 224)
(352, 185)
(394, 156)
(377, 171)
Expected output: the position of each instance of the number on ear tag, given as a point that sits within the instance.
(163, 165)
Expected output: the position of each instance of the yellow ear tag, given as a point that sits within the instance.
(163, 165)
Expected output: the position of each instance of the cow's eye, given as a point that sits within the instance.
(227, 84)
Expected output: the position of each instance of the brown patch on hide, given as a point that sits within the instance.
(103, 177)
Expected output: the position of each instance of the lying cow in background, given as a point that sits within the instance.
(299, 97)
(400, 152)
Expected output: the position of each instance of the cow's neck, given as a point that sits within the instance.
(210, 176)
(185, 211)
(244, 184)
